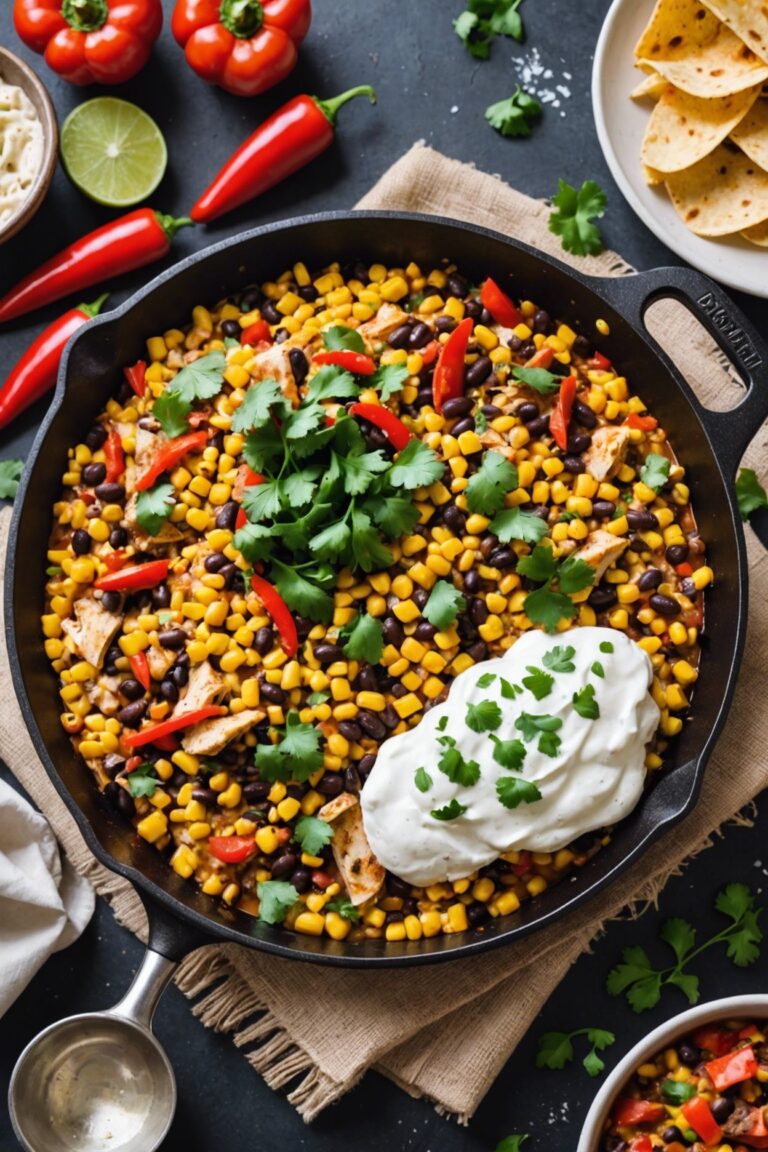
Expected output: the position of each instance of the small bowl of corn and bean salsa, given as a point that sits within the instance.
(299, 519)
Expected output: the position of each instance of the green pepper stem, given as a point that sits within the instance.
(92, 310)
(330, 108)
(171, 224)
(242, 18)
(85, 15)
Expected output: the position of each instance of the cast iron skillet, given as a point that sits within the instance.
(709, 444)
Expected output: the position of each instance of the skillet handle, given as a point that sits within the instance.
(169, 935)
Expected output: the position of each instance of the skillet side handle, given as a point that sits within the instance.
(169, 935)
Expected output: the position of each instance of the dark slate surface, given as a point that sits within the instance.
(429, 88)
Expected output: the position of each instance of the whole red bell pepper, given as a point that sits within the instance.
(280, 613)
(561, 413)
(244, 46)
(136, 377)
(499, 305)
(169, 455)
(114, 456)
(628, 1112)
(232, 849)
(129, 242)
(175, 724)
(35, 373)
(140, 668)
(448, 377)
(392, 427)
(345, 358)
(90, 41)
(699, 1115)
(292, 137)
(255, 333)
(135, 578)
(732, 1068)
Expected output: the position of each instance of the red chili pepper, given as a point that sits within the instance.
(643, 423)
(699, 1115)
(732, 1068)
(114, 456)
(718, 1041)
(175, 724)
(136, 376)
(429, 354)
(114, 561)
(280, 613)
(499, 305)
(292, 137)
(90, 41)
(392, 427)
(246, 478)
(255, 333)
(136, 578)
(244, 46)
(561, 413)
(169, 455)
(629, 1112)
(140, 668)
(541, 359)
(124, 244)
(35, 373)
(232, 849)
(448, 376)
(354, 362)
(601, 362)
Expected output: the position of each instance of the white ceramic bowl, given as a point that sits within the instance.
(14, 71)
(731, 1007)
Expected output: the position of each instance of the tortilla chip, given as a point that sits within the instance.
(650, 88)
(748, 19)
(725, 192)
(689, 46)
(652, 177)
(757, 235)
(684, 129)
(751, 134)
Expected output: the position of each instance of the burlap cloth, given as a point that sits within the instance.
(441, 1032)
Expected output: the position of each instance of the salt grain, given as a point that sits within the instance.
(533, 75)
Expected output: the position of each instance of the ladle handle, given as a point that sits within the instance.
(148, 985)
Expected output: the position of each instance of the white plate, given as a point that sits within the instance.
(621, 124)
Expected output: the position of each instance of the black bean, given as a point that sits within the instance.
(110, 492)
(664, 605)
(578, 443)
(388, 716)
(330, 784)
(229, 572)
(132, 715)
(457, 406)
(174, 638)
(131, 689)
(465, 425)
(350, 730)
(583, 347)
(179, 674)
(302, 880)
(541, 510)
(603, 509)
(454, 519)
(688, 588)
(527, 411)
(120, 798)
(256, 791)
(93, 474)
(270, 313)
(514, 343)
(444, 324)
(272, 693)
(371, 724)
(308, 292)
(264, 640)
(573, 464)
(421, 334)
(583, 843)
(326, 652)
(424, 630)
(420, 597)
(491, 411)
(352, 781)
(393, 630)
(299, 365)
(528, 350)
(226, 515)
(251, 298)
(375, 438)
(457, 285)
(503, 558)
(467, 630)
(722, 1108)
(397, 887)
(231, 329)
(471, 581)
(584, 415)
(604, 596)
(81, 542)
(675, 554)
(400, 336)
(365, 765)
(367, 679)
(161, 596)
(284, 864)
(542, 321)
(689, 1055)
(424, 397)
(215, 562)
(485, 317)
(169, 691)
(95, 437)
(478, 372)
(641, 520)
(478, 611)
(118, 538)
(478, 914)
(539, 426)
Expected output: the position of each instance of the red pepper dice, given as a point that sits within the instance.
(90, 41)
(244, 46)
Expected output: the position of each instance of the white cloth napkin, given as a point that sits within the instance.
(44, 903)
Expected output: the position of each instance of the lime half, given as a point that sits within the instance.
(113, 151)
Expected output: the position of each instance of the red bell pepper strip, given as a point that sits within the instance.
(114, 560)
(732, 1068)
(129, 242)
(175, 724)
(255, 333)
(244, 46)
(246, 478)
(392, 427)
(448, 376)
(135, 578)
(601, 362)
(629, 1112)
(561, 413)
(641, 1144)
(354, 362)
(699, 1115)
(232, 849)
(541, 359)
(169, 455)
(114, 456)
(280, 613)
(90, 41)
(140, 668)
(293, 136)
(718, 1041)
(499, 305)
(642, 423)
(429, 354)
(35, 373)
(136, 377)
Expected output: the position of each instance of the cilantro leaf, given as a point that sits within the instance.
(299, 487)
(598, 670)
(514, 790)
(153, 507)
(574, 574)
(450, 811)
(263, 501)
(655, 471)
(486, 679)
(257, 405)
(484, 19)
(276, 898)
(509, 753)
(606, 647)
(750, 493)
(737, 902)
(548, 608)
(677, 1091)
(332, 541)
(635, 966)
(512, 1143)
(142, 781)
(494, 478)
(444, 604)
(544, 727)
(484, 716)
(538, 683)
(453, 765)
(332, 383)
(645, 994)
(344, 908)
(540, 565)
(572, 217)
(172, 413)
(388, 379)
(584, 703)
(364, 639)
(369, 552)
(475, 36)
(539, 379)
(339, 337)
(560, 659)
(417, 466)
(317, 698)
(359, 471)
(262, 447)
(304, 420)
(254, 542)
(10, 474)
(422, 780)
(300, 594)
(514, 116)
(515, 524)
(313, 834)
(201, 379)
(680, 935)
(687, 983)
(555, 1050)
(508, 691)
(395, 515)
(600, 1038)
(296, 755)
(592, 1063)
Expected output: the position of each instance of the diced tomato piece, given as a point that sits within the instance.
(629, 1112)
(699, 1115)
(733, 1068)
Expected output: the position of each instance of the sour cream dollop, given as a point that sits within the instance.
(21, 148)
(589, 770)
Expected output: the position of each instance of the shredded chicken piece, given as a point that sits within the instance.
(92, 629)
(388, 317)
(361, 872)
(600, 549)
(209, 737)
(204, 687)
(607, 451)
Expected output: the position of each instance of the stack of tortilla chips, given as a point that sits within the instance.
(707, 139)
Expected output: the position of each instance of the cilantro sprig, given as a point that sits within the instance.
(344, 908)
(655, 471)
(750, 493)
(10, 474)
(513, 1143)
(153, 507)
(545, 606)
(556, 1049)
(494, 478)
(450, 811)
(295, 756)
(364, 638)
(642, 984)
(313, 834)
(276, 898)
(453, 765)
(143, 781)
(517, 524)
(572, 216)
(484, 19)
(516, 115)
(514, 790)
(201, 379)
(444, 604)
(542, 728)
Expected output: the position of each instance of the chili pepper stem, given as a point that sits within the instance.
(171, 224)
(95, 308)
(241, 17)
(85, 15)
(330, 108)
